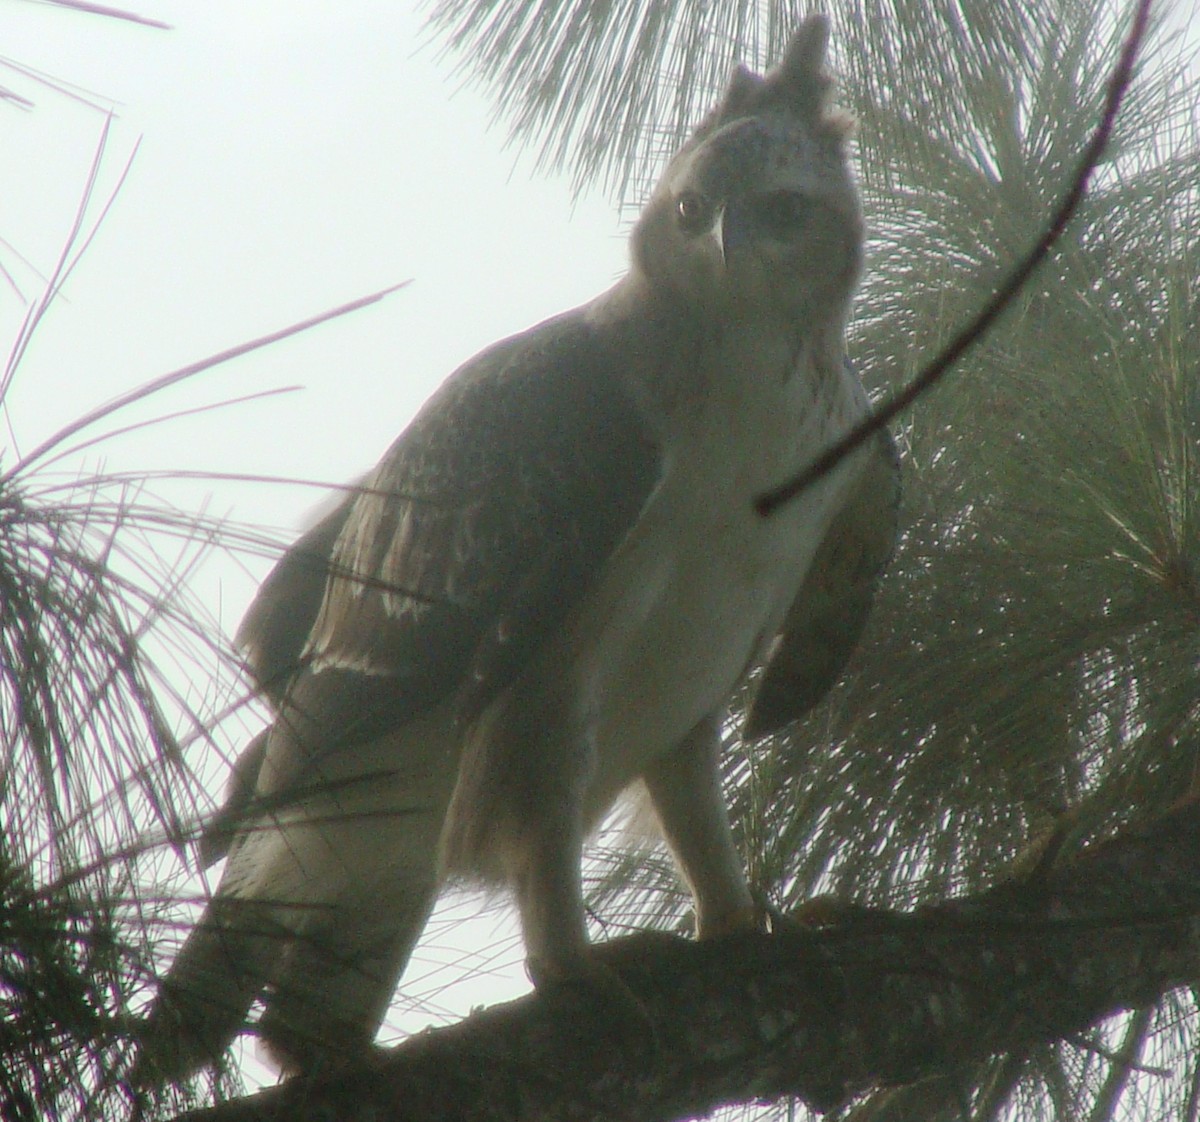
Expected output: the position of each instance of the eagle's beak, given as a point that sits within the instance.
(717, 233)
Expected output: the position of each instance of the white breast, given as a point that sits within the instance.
(703, 582)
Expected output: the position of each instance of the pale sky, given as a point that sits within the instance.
(294, 155)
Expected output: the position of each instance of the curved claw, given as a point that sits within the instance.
(586, 979)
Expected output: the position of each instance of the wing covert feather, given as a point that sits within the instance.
(477, 533)
(829, 613)
(275, 630)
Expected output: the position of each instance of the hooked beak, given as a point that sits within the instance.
(717, 235)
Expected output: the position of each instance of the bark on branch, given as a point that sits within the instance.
(826, 1013)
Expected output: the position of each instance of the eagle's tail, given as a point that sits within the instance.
(202, 1003)
(325, 950)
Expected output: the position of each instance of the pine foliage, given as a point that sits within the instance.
(93, 788)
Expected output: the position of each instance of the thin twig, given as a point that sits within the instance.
(166, 380)
(111, 13)
(72, 90)
(769, 502)
(68, 257)
(163, 418)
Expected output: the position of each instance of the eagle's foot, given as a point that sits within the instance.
(742, 921)
(584, 979)
(303, 1057)
(820, 911)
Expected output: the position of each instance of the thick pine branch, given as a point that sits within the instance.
(872, 999)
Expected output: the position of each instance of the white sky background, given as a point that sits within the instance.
(294, 155)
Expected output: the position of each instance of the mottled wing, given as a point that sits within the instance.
(275, 630)
(828, 615)
(471, 541)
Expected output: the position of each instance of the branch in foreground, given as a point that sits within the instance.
(981, 323)
(875, 999)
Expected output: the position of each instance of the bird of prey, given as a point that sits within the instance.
(547, 593)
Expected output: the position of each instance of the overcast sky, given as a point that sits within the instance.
(293, 155)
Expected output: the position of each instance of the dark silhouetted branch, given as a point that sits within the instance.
(869, 1000)
(978, 326)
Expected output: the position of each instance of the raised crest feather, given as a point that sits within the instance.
(801, 76)
(800, 84)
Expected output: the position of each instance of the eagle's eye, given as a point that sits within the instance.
(782, 214)
(694, 211)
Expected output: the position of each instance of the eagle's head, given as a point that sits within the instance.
(758, 216)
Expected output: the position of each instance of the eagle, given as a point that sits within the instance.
(548, 593)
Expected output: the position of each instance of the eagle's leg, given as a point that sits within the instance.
(517, 817)
(333, 989)
(549, 893)
(355, 877)
(685, 792)
(549, 890)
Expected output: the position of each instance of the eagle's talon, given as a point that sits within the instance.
(621, 1015)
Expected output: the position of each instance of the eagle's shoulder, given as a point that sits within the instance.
(478, 531)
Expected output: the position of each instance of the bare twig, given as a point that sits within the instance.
(970, 334)
(163, 418)
(72, 250)
(166, 380)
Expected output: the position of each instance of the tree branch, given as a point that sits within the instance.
(872, 999)
(981, 323)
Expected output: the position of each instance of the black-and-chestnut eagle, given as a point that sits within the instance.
(548, 592)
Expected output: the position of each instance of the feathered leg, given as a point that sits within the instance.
(202, 1003)
(336, 980)
(685, 793)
